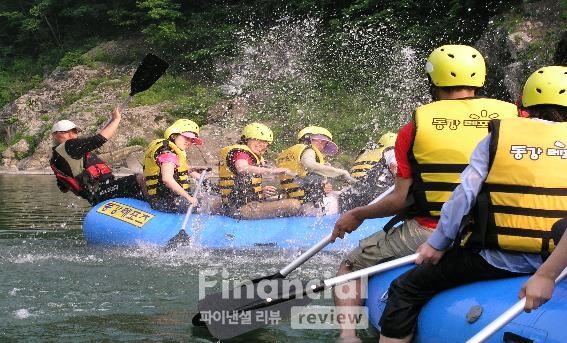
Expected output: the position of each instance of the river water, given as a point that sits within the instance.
(54, 287)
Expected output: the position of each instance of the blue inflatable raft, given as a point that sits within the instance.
(444, 318)
(130, 222)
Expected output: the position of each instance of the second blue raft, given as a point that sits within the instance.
(131, 222)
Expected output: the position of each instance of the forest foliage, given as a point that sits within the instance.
(39, 35)
(355, 77)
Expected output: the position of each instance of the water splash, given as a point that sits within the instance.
(22, 313)
(358, 78)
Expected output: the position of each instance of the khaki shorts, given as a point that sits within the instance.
(400, 241)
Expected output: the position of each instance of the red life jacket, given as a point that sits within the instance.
(95, 170)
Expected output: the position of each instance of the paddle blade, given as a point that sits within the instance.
(181, 239)
(148, 72)
(249, 307)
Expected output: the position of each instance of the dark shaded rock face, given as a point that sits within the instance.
(532, 42)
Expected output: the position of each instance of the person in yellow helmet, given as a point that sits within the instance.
(374, 169)
(166, 168)
(431, 152)
(550, 104)
(241, 171)
(79, 170)
(514, 188)
(306, 159)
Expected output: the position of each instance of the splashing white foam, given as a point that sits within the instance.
(22, 313)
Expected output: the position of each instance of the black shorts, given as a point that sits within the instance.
(124, 187)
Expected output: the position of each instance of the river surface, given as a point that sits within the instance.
(54, 287)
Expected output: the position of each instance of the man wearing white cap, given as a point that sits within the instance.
(79, 170)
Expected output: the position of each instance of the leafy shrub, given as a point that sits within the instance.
(137, 141)
(71, 59)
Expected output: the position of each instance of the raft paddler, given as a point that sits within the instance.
(499, 221)
(79, 170)
(431, 151)
(241, 171)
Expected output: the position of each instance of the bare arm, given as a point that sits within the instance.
(112, 126)
(309, 162)
(167, 171)
(392, 204)
(539, 288)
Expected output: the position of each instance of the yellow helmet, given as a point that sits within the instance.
(456, 65)
(258, 131)
(546, 86)
(181, 126)
(314, 130)
(320, 133)
(388, 139)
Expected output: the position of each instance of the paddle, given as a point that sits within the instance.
(505, 317)
(148, 72)
(235, 313)
(182, 235)
(197, 321)
(311, 251)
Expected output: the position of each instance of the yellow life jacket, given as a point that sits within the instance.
(366, 160)
(237, 190)
(446, 133)
(152, 171)
(525, 191)
(290, 158)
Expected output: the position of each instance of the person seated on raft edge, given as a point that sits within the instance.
(241, 167)
(504, 236)
(430, 159)
(374, 169)
(167, 170)
(79, 170)
(306, 159)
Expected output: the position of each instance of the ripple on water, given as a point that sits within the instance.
(22, 313)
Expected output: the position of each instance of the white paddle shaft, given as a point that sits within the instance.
(190, 209)
(306, 255)
(382, 267)
(320, 245)
(505, 317)
(381, 196)
(125, 103)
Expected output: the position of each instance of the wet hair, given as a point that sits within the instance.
(433, 89)
(548, 112)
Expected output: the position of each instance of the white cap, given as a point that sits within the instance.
(64, 125)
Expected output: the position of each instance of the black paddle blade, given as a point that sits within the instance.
(181, 239)
(148, 72)
(278, 275)
(197, 321)
(250, 306)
